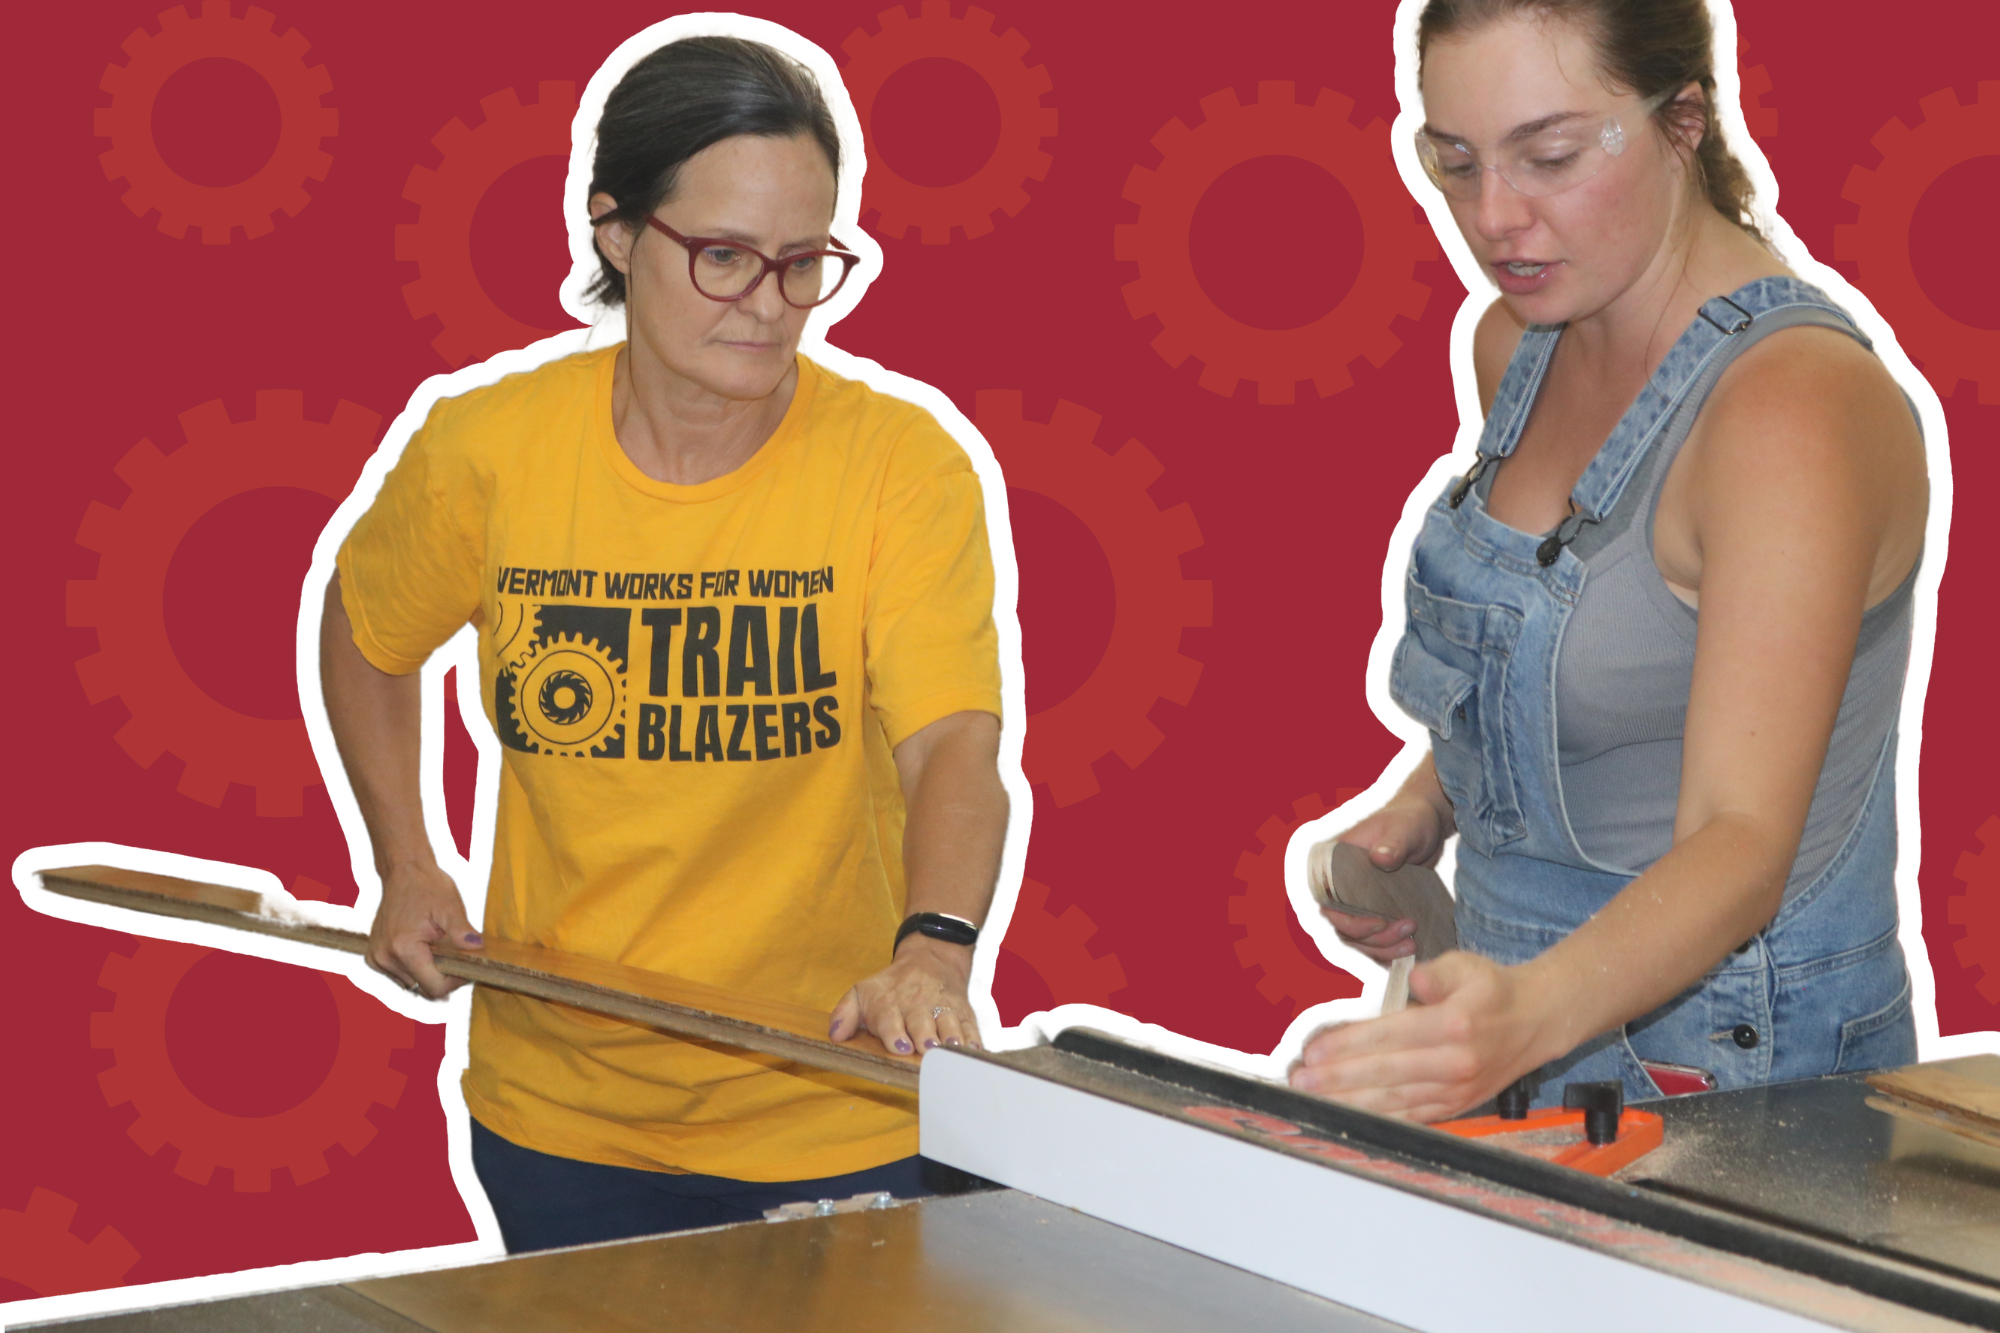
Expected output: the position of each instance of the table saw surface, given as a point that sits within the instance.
(1801, 1198)
(995, 1262)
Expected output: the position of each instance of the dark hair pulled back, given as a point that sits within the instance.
(687, 96)
(1646, 47)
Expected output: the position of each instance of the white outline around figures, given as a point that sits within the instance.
(1930, 1044)
(607, 327)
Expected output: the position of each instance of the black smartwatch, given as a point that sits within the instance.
(950, 929)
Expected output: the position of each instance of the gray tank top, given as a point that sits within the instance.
(1627, 663)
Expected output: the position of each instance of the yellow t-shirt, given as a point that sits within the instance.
(698, 689)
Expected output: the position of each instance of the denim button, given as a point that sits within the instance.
(1744, 1035)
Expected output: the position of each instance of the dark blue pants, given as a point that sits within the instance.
(546, 1202)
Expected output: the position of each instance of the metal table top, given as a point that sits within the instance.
(999, 1262)
(1814, 1157)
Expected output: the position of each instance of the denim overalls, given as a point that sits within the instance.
(1823, 988)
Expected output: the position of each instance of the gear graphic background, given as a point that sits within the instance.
(1755, 81)
(135, 1031)
(135, 660)
(1024, 121)
(1977, 908)
(1057, 948)
(439, 242)
(1393, 241)
(1142, 662)
(1878, 240)
(128, 122)
(606, 713)
(38, 1250)
(1290, 976)
(1294, 503)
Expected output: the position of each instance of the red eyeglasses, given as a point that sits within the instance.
(725, 270)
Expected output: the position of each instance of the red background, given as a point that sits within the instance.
(1161, 892)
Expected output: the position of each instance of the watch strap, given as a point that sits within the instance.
(937, 925)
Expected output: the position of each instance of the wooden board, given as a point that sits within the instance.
(1968, 1087)
(1962, 1096)
(1936, 1119)
(650, 999)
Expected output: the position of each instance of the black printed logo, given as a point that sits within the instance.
(565, 695)
(562, 688)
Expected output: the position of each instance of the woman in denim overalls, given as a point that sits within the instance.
(1709, 882)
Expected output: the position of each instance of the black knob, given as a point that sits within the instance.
(1744, 1035)
(1601, 1104)
(1512, 1103)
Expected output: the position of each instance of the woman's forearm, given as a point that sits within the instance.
(1663, 932)
(955, 827)
(956, 822)
(376, 722)
(1423, 785)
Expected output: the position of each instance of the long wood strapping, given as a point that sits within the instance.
(650, 999)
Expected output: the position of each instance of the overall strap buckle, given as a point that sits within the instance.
(1471, 479)
(1736, 326)
(1552, 545)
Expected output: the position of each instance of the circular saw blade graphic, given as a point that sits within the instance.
(569, 695)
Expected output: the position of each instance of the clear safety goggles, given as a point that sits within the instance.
(1537, 165)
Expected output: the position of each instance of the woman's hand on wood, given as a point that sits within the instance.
(952, 840)
(915, 1003)
(420, 906)
(1478, 1027)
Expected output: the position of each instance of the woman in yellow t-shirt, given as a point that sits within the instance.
(736, 638)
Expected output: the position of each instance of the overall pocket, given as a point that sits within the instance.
(1844, 1012)
(1884, 1039)
(1450, 673)
(1443, 698)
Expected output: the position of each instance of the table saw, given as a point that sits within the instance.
(1140, 1191)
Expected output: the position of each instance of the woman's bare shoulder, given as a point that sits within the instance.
(1814, 395)
(1806, 430)
(1494, 339)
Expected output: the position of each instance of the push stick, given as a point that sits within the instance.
(650, 999)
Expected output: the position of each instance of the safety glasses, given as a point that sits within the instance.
(1538, 165)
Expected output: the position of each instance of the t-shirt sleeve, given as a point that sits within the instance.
(409, 576)
(932, 647)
